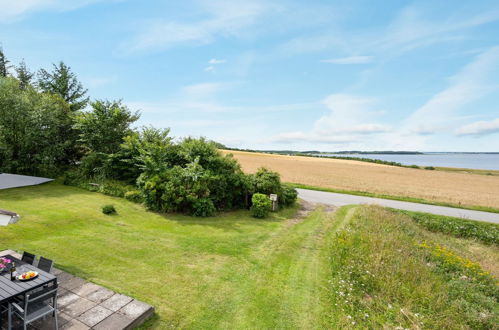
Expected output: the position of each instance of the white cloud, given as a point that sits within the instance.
(348, 121)
(472, 83)
(348, 114)
(479, 128)
(215, 61)
(349, 60)
(409, 30)
(301, 137)
(12, 10)
(224, 18)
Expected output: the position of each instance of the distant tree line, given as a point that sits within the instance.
(49, 127)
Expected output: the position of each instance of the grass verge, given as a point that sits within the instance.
(387, 272)
(485, 232)
(397, 198)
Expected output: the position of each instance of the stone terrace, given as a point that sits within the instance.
(84, 305)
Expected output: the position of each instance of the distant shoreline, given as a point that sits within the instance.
(406, 159)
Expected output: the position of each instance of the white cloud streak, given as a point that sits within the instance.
(224, 18)
(479, 128)
(12, 10)
(349, 60)
(473, 82)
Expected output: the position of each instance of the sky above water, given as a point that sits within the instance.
(302, 75)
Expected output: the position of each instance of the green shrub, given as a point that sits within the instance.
(203, 207)
(261, 205)
(113, 188)
(413, 166)
(134, 196)
(265, 182)
(431, 168)
(71, 177)
(288, 195)
(108, 209)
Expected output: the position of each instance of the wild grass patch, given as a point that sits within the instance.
(487, 233)
(381, 276)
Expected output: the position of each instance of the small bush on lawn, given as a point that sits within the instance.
(203, 207)
(262, 205)
(134, 196)
(288, 195)
(108, 209)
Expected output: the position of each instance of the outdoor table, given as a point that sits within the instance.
(10, 289)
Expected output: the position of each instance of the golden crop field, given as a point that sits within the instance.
(438, 186)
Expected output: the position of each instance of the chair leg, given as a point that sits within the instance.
(9, 317)
(56, 326)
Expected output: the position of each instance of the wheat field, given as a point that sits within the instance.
(437, 186)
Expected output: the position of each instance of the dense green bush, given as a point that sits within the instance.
(265, 182)
(134, 196)
(114, 188)
(108, 209)
(203, 207)
(288, 195)
(199, 181)
(261, 205)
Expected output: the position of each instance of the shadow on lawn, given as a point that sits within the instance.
(227, 221)
(45, 190)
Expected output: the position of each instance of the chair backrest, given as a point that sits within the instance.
(49, 292)
(45, 264)
(28, 258)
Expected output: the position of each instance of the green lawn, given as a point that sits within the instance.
(236, 272)
(232, 271)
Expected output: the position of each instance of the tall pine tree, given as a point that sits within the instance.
(4, 64)
(63, 82)
(24, 75)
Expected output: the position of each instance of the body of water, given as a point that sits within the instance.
(475, 161)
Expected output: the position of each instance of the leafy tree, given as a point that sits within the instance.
(266, 182)
(4, 64)
(32, 140)
(24, 75)
(104, 128)
(63, 82)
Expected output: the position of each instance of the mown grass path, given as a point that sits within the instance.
(279, 284)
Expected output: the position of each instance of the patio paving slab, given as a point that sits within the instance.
(84, 305)
(114, 322)
(116, 302)
(79, 307)
(95, 315)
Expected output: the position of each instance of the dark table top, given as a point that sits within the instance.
(10, 289)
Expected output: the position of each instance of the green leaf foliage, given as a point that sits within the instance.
(63, 82)
(262, 205)
(34, 135)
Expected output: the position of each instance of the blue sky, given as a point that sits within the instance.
(314, 75)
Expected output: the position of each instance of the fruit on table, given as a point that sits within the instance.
(28, 275)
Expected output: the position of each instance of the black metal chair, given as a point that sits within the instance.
(37, 305)
(28, 258)
(45, 264)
